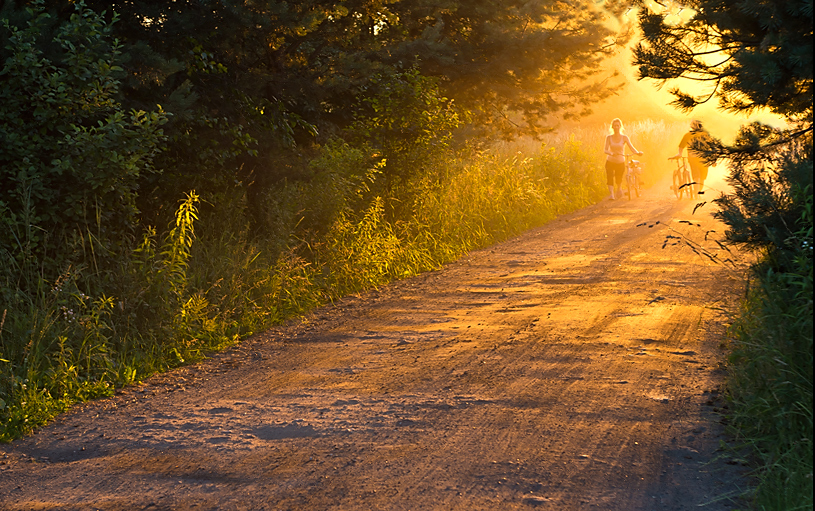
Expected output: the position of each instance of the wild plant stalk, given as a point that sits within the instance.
(62, 346)
(203, 287)
(770, 384)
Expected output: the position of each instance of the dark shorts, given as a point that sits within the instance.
(614, 172)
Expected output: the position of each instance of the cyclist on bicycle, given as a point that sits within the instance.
(616, 143)
(698, 167)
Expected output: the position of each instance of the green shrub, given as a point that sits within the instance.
(406, 119)
(71, 158)
(205, 282)
(770, 369)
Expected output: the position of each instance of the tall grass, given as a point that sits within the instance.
(471, 203)
(205, 283)
(770, 378)
(657, 139)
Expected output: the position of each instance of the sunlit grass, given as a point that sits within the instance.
(657, 139)
(207, 283)
(473, 203)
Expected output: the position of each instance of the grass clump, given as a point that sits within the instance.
(770, 385)
(207, 280)
(770, 368)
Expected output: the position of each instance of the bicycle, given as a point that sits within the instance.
(633, 175)
(682, 183)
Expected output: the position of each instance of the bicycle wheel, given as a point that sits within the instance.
(688, 184)
(628, 183)
(677, 183)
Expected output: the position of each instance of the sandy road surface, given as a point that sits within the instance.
(575, 367)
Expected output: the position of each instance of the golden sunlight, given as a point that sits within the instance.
(638, 99)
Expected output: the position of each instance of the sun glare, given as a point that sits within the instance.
(646, 97)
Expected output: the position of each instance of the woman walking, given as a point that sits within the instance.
(616, 143)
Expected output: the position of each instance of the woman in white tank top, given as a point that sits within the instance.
(615, 163)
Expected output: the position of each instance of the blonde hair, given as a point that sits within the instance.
(611, 126)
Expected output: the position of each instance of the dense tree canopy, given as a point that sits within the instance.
(249, 85)
(314, 56)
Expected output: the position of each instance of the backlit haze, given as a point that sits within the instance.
(638, 100)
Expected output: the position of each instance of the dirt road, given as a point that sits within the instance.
(575, 367)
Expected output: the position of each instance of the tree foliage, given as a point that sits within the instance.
(71, 157)
(314, 57)
(248, 87)
(755, 54)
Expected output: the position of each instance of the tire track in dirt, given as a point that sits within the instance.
(574, 367)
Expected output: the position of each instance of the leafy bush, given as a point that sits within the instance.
(404, 117)
(71, 159)
(770, 380)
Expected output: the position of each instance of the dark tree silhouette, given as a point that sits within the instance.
(754, 53)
